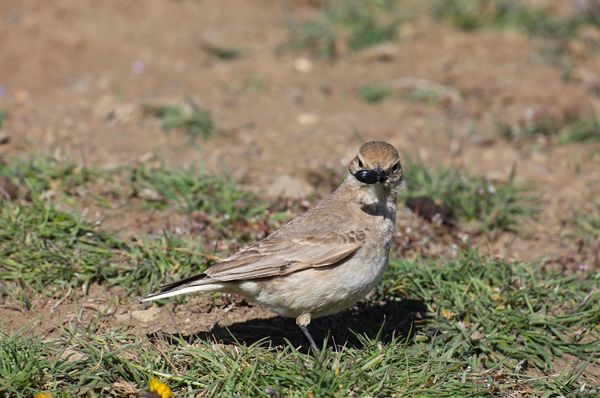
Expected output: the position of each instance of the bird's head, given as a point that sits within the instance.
(377, 162)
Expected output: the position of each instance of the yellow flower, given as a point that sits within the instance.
(43, 395)
(160, 389)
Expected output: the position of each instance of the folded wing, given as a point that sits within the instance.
(275, 256)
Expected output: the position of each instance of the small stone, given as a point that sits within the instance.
(71, 355)
(302, 65)
(307, 119)
(477, 336)
(123, 317)
(108, 109)
(146, 316)
(216, 47)
(150, 195)
(4, 138)
(148, 156)
(383, 52)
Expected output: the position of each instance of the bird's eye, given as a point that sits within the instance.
(360, 164)
(395, 167)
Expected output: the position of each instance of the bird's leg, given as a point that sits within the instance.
(302, 321)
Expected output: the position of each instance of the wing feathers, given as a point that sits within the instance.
(274, 256)
(281, 257)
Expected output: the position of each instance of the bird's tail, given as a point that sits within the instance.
(197, 283)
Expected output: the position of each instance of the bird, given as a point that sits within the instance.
(324, 260)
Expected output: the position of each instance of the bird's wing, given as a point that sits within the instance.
(272, 256)
(280, 256)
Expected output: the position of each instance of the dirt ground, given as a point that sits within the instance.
(74, 76)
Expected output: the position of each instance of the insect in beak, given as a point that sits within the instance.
(371, 176)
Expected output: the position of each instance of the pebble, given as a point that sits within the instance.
(383, 52)
(307, 119)
(146, 316)
(150, 195)
(71, 355)
(4, 138)
(477, 336)
(302, 65)
(123, 317)
(109, 109)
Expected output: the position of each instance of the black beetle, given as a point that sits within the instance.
(370, 176)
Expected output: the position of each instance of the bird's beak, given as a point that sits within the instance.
(371, 176)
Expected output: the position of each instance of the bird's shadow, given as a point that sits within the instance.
(381, 320)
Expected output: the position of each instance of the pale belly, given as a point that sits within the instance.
(323, 291)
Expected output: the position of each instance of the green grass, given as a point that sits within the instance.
(45, 175)
(194, 122)
(420, 92)
(587, 224)
(423, 95)
(365, 21)
(582, 129)
(494, 328)
(543, 126)
(223, 209)
(495, 206)
(158, 187)
(191, 191)
(24, 364)
(45, 251)
(485, 327)
(502, 14)
(374, 93)
(317, 37)
(345, 25)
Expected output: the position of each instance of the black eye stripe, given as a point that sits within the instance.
(360, 163)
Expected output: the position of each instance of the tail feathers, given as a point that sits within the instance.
(186, 281)
(188, 285)
(183, 290)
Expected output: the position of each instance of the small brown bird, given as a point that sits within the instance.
(324, 260)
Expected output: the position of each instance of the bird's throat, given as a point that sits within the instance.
(375, 195)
